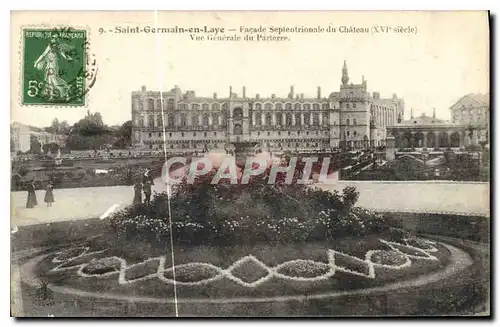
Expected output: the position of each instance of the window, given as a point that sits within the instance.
(298, 133)
(347, 105)
(268, 119)
(258, 119)
(182, 134)
(354, 122)
(169, 134)
(268, 106)
(215, 133)
(354, 105)
(158, 104)
(324, 106)
(279, 106)
(354, 133)
(205, 106)
(315, 106)
(194, 133)
(268, 134)
(297, 119)
(315, 119)
(159, 134)
(288, 106)
(150, 104)
(150, 134)
(307, 133)
(206, 120)
(307, 106)
(258, 133)
(151, 121)
(183, 120)
(215, 119)
(297, 106)
(195, 120)
(307, 119)
(170, 104)
(279, 133)
(184, 106)
(289, 133)
(288, 119)
(195, 106)
(258, 106)
(215, 106)
(348, 121)
(205, 134)
(347, 133)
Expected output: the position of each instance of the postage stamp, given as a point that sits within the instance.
(55, 66)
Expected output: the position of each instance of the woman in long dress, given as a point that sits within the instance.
(31, 202)
(49, 195)
(137, 193)
(48, 63)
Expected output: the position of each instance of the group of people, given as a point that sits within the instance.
(143, 185)
(49, 195)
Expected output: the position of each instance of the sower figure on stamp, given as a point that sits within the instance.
(137, 192)
(147, 191)
(31, 202)
(49, 195)
(48, 63)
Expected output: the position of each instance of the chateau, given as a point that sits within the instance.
(349, 118)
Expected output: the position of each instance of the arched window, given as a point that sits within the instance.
(158, 104)
(315, 106)
(170, 104)
(348, 121)
(206, 120)
(237, 113)
(224, 106)
(141, 122)
(354, 122)
(307, 106)
(315, 119)
(325, 118)
(195, 120)
(278, 106)
(195, 106)
(150, 104)
(258, 119)
(324, 106)
(183, 120)
(205, 106)
(288, 120)
(279, 119)
(268, 106)
(215, 106)
(151, 121)
(347, 105)
(354, 133)
(215, 119)
(258, 106)
(184, 107)
(307, 119)
(288, 106)
(297, 119)
(297, 106)
(159, 118)
(170, 121)
(268, 119)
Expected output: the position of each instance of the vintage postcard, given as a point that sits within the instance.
(250, 164)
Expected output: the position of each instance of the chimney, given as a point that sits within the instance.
(215, 95)
(434, 113)
(257, 96)
(230, 91)
(302, 95)
(273, 96)
(291, 91)
(244, 91)
(319, 92)
(376, 95)
(143, 88)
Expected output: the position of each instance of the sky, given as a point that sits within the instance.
(445, 59)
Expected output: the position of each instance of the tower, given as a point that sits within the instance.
(345, 76)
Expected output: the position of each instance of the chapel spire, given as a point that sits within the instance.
(345, 75)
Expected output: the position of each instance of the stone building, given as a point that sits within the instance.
(469, 126)
(22, 135)
(349, 118)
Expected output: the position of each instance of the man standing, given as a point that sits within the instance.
(147, 191)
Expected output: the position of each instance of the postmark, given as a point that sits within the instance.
(58, 68)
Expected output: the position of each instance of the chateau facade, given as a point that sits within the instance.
(349, 118)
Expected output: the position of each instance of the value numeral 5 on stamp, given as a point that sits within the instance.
(57, 67)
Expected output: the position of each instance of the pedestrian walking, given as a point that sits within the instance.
(49, 195)
(31, 202)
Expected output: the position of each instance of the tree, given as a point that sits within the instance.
(50, 147)
(35, 145)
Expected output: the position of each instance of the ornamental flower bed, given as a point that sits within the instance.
(226, 214)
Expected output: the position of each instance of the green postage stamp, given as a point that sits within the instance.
(55, 66)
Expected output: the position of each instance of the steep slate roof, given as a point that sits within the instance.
(474, 99)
